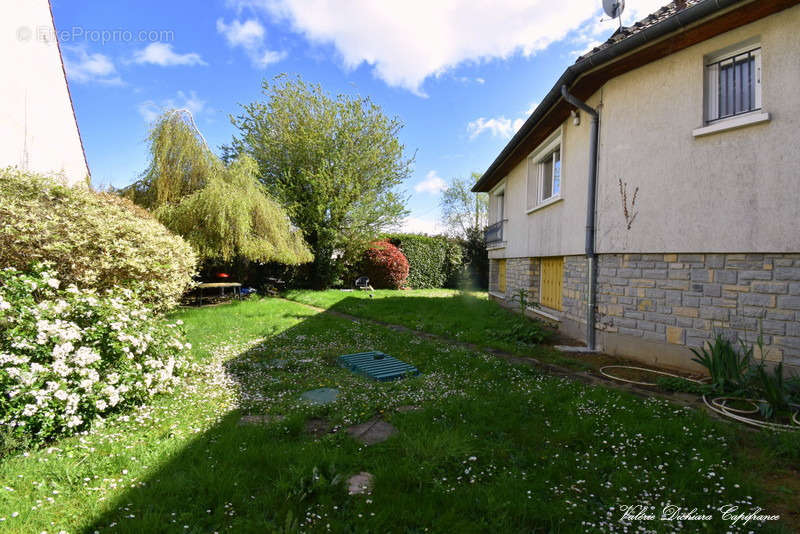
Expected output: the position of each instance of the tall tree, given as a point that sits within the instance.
(334, 162)
(463, 210)
(221, 209)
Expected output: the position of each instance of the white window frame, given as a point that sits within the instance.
(711, 81)
(499, 191)
(535, 177)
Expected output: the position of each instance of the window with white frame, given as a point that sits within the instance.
(733, 83)
(544, 173)
(498, 205)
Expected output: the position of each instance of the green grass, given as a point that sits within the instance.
(467, 316)
(494, 447)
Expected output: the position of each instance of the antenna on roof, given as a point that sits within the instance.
(614, 9)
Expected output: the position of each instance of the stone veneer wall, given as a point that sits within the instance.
(521, 273)
(574, 294)
(685, 299)
(492, 275)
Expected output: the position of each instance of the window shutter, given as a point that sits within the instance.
(712, 92)
(533, 184)
(757, 57)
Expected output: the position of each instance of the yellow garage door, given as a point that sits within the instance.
(552, 274)
(501, 276)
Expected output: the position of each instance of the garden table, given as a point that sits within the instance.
(237, 289)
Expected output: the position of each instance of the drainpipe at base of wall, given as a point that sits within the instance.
(591, 275)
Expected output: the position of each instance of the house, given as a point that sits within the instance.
(38, 129)
(652, 199)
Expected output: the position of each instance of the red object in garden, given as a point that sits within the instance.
(223, 275)
(385, 265)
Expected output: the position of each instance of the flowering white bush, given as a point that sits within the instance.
(68, 356)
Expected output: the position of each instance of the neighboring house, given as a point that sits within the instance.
(694, 227)
(38, 129)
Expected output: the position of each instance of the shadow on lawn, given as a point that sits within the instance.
(234, 477)
(276, 477)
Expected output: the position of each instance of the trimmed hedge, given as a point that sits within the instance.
(434, 261)
(385, 265)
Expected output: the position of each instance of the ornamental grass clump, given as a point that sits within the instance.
(69, 356)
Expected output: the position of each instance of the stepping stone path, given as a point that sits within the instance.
(360, 483)
(408, 408)
(373, 431)
(259, 419)
(320, 396)
(317, 427)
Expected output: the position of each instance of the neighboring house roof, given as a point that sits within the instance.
(668, 30)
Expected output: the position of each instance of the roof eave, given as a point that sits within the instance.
(661, 29)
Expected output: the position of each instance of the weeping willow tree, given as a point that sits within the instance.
(223, 210)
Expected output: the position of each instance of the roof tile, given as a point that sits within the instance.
(629, 31)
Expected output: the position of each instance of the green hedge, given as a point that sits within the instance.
(433, 261)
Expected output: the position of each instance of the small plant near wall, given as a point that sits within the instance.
(738, 379)
(629, 213)
(521, 296)
(522, 329)
(726, 366)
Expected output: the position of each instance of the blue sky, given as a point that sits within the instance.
(461, 75)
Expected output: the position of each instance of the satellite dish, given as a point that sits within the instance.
(613, 8)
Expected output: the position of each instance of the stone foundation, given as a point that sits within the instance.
(656, 307)
(686, 299)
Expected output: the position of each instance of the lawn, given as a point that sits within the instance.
(492, 446)
(467, 316)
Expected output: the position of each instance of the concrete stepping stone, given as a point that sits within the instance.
(360, 483)
(317, 427)
(408, 408)
(372, 432)
(320, 396)
(247, 420)
(277, 363)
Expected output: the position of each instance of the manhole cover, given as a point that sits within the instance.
(377, 365)
(320, 396)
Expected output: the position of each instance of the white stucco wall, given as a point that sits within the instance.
(731, 191)
(38, 131)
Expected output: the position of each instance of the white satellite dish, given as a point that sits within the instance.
(613, 8)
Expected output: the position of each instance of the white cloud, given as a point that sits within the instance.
(433, 183)
(84, 67)
(249, 35)
(420, 225)
(150, 110)
(499, 126)
(407, 42)
(163, 55)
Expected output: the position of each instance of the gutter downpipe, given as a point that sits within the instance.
(590, 215)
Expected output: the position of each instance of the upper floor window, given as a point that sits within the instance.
(544, 173)
(497, 205)
(550, 172)
(733, 83)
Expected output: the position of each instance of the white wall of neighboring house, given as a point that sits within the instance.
(38, 130)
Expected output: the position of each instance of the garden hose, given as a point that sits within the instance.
(724, 411)
(604, 373)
